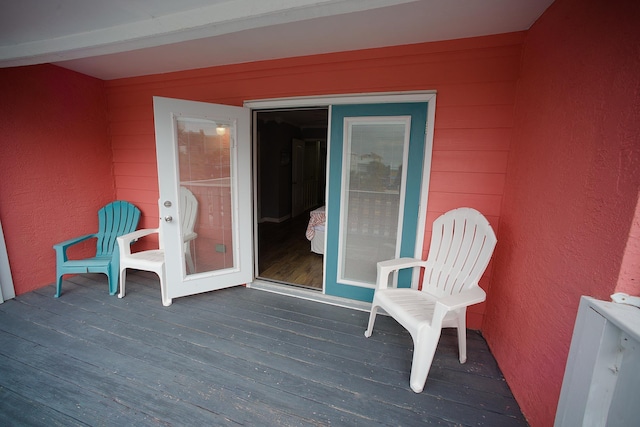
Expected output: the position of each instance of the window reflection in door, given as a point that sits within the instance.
(205, 167)
(374, 153)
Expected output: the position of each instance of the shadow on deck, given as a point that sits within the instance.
(232, 357)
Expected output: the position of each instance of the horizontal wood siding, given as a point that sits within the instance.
(475, 80)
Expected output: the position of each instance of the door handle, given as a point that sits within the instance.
(168, 218)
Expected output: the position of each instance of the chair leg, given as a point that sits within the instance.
(58, 286)
(113, 279)
(123, 275)
(191, 268)
(113, 284)
(166, 301)
(424, 348)
(372, 320)
(462, 336)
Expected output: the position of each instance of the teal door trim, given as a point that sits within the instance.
(411, 227)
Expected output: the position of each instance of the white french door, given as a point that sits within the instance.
(206, 149)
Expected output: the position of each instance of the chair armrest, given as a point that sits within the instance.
(386, 267)
(455, 302)
(125, 241)
(61, 248)
(71, 242)
(189, 236)
(469, 297)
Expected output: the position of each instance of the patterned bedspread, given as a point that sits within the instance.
(317, 217)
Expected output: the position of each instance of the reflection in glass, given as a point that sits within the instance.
(205, 170)
(371, 205)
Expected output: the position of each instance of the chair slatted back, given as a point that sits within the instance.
(115, 219)
(462, 242)
(188, 210)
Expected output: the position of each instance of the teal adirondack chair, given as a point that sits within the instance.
(115, 219)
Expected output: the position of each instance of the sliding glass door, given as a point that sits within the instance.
(375, 175)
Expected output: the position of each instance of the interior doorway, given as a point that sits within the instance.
(291, 154)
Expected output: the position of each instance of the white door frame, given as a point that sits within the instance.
(363, 98)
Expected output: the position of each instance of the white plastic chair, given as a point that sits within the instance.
(462, 243)
(153, 259)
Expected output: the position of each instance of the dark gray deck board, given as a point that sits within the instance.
(232, 357)
(18, 410)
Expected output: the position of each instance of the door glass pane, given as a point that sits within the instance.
(205, 168)
(374, 155)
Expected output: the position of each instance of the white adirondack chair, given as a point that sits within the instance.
(462, 243)
(153, 259)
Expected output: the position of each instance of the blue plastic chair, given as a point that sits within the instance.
(115, 219)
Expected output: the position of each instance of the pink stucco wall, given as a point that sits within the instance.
(55, 165)
(571, 190)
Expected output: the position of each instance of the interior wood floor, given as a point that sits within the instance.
(284, 253)
(233, 357)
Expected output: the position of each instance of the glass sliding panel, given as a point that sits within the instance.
(350, 268)
(371, 207)
(205, 168)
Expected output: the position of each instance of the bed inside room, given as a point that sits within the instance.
(316, 230)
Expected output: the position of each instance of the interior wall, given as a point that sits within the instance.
(56, 165)
(571, 190)
(475, 79)
(275, 169)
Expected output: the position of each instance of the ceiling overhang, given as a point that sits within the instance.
(122, 38)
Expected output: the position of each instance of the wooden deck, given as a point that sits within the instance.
(233, 357)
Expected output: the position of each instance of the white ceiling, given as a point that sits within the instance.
(112, 39)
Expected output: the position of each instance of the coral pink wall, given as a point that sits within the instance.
(571, 190)
(475, 79)
(56, 165)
